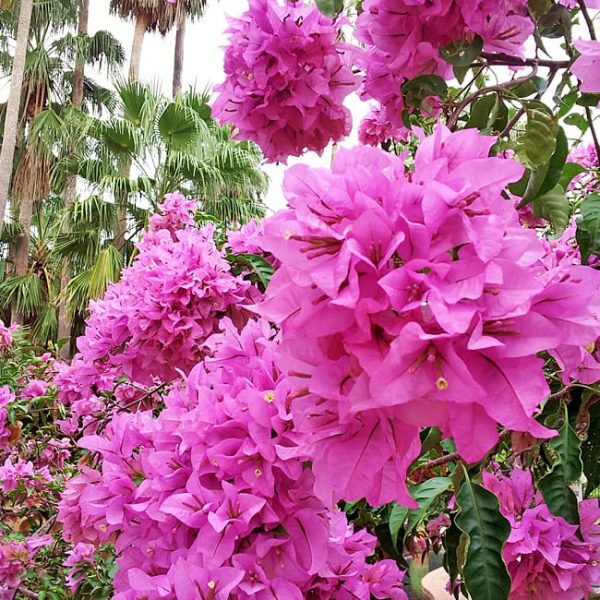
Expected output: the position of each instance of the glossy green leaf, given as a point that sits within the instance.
(330, 8)
(488, 112)
(590, 450)
(554, 207)
(557, 162)
(257, 264)
(569, 172)
(588, 226)
(462, 53)
(423, 86)
(537, 144)
(397, 518)
(567, 468)
(425, 494)
(485, 573)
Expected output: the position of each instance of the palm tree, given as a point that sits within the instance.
(11, 121)
(162, 16)
(53, 75)
(170, 145)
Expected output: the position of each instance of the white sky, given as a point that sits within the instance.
(203, 65)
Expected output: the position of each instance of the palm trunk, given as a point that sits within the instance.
(79, 71)
(11, 123)
(178, 57)
(64, 323)
(22, 249)
(136, 47)
(121, 212)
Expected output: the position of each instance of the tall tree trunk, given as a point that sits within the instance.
(11, 122)
(22, 249)
(179, 48)
(79, 71)
(136, 47)
(64, 323)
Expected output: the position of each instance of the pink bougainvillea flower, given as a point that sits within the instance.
(214, 497)
(286, 77)
(587, 66)
(409, 300)
(546, 556)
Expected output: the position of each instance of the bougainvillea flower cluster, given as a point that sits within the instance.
(153, 323)
(16, 556)
(416, 299)
(403, 39)
(287, 76)
(547, 557)
(587, 66)
(208, 501)
(375, 129)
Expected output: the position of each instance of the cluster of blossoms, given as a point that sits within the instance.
(211, 499)
(403, 39)
(586, 156)
(375, 129)
(6, 397)
(80, 555)
(408, 300)
(547, 557)
(154, 322)
(287, 76)
(16, 556)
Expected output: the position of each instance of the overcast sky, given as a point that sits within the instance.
(203, 65)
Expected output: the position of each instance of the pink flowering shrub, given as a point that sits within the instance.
(211, 494)
(152, 324)
(547, 557)
(408, 300)
(287, 76)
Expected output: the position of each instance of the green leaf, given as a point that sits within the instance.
(452, 541)
(425, 494)
(569, 172)
(589, 100)
(566, 102)
(566, 469)
(330, 8)
(397, 518)
(462, 53)
(532, 86)
(485, 573)
(578, 121)
(555, 23)
(423, 86)
(554, 207)
(536, 146)
(588, 227)
(460, 73)
(539, 8)
(488, 112)
(258, 265)
(557, 162)
(590, 450)
(178, 126)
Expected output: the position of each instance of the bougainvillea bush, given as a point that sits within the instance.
(402, 362)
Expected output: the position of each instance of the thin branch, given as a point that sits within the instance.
(500, 58)
(588, 19)
(590, 119)
(493, 88)
(26, 592)
(512, 122)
